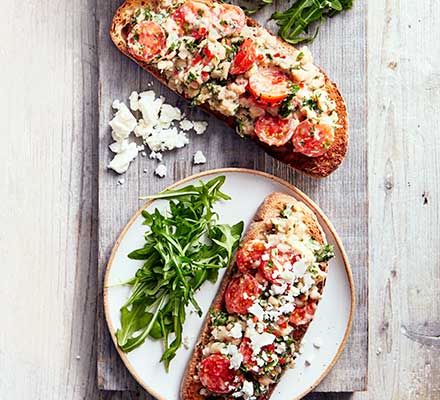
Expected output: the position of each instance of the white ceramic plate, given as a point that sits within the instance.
(332, 320)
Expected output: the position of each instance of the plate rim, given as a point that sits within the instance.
(303, 197)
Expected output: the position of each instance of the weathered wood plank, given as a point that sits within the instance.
(403, 104)
(343, 196)
(48, 289)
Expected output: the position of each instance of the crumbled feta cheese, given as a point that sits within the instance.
(247, 391)
(287, 276)
(236, 357)
(308, 282)
(168, 114)
(286, 308)
(125, 153)
(259, 340)
(123, 121)
(279, 289)
(300, 268)
(134, 101)
(200, 127)
(166, 139)
(256, 310)
(161, 170)
(156, 155)
(199, 157)
(186, 125)
(143, 154)
(149, 106)
(236, 332)
(186, 342)
(265, 257)
(317, 342)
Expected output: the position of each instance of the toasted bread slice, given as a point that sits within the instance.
(320, 166)
(270, 208)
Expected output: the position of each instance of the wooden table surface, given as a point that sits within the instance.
(48, 236)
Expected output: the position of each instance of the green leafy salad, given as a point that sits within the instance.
(183, 248)
(301, 22)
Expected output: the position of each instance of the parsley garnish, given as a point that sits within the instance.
(325, 253)
(286, 106)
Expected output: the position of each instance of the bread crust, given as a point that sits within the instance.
(270, 208)
(318, 167)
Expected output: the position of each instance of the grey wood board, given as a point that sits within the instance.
(340, 51)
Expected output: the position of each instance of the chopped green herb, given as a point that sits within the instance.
(286, 107)
(287, 212)
(325, 253)
(191, 77)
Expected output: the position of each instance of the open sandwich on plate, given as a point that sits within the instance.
(265, 303)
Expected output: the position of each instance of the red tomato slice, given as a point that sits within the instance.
(216, 375)
(192, 16)
(272, 269)
(312, 140)
(249, 256)
(146, 40)
(248, 354)
(241, 293)
(303, 315)
(269, 85)
(273, 131)
(244, 58)
(232, 19)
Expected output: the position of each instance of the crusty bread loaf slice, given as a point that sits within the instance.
(319, 167)
(270, 208)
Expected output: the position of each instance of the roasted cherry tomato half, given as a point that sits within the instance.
(216, 375)
(245, 58)
(194, 17)
(249, 256)
(146, 40)
(231, 19)
(269, 85)
(273, 131)
(312, 140)
(303, 315)
(241, 293)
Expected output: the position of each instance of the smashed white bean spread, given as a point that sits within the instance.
(208, 53)
(268, 305)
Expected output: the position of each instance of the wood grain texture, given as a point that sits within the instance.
(347, 186)
(403, 104)
(48, 286)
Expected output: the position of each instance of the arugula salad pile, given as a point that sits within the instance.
(295, 22)
(182, 250)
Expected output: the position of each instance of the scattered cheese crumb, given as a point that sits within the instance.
(161, 170)
(186, 125)
(186, 342)
(200, 127)
(156, 155)
(121, 181)
(143, 154)
(199, 158)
